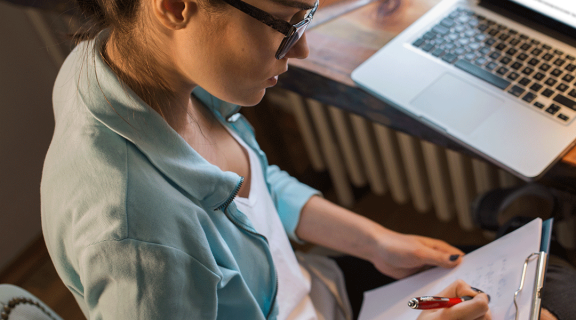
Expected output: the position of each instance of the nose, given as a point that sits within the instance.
(300, 49)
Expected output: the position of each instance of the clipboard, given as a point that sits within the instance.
(496, 268)
(541, 259)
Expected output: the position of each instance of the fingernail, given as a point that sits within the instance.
(480, 291)
(454, 257)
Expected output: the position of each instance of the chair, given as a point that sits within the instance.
(19, 304)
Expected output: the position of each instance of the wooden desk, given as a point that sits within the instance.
(343, 35)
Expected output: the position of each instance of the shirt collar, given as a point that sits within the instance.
(116, 106)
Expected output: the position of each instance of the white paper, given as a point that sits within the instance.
(495, 268)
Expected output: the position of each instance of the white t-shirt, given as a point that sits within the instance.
(294, 281)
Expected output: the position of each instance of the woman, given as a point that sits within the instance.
(157, 202)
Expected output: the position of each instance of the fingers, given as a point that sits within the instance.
(477, 308)
(439, 253)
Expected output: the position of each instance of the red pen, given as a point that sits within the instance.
(428, 302)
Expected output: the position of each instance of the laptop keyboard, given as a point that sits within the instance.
(534, 72)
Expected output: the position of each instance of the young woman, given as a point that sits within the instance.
(157, 202)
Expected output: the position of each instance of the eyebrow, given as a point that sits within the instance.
(295, 4)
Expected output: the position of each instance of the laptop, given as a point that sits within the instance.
(498, 76)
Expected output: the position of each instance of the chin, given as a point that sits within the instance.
(252, 100)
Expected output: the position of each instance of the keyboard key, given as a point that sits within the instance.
(514, 42)
(545, 67)
(536, 52)
(490, 41)
(474, 46)
(553, 108)
(551, 81)
(501, 46)
(448, 23)
(546, 47)
(481, 37)
(556, 72)
(502, 71)
(470, 33)
(512, 31)
(526, 46)
(562, 87)
(470, 56)
(463, 41)
(493, 32)
(441, 30)
(504, 37)
(547, 93)
(491, 66)
(484, 50)
(564, 117)
(536, 87)
(538, 105)
(495, 55)
(429, 35)
(460, 51)
(529, 97)
(418, 42)
(565, 101)
(501, 27)
(450, 57)
(513, 76)
(480, 61)
(522, 57)
(558, 52)
(453, 36)
(523, 37)
(547, 57)
(516, 91)
(524, 81)
(428, 47)
(438, 52)
(516, 65)
(533, 62)
(572, 93)
(482, 74)
(527, 71)
(449, 46)
(511, 51)
(535, 42)
(570, 67)
(505, 60)
(569, 57)
(483, 27)
(559, 62)
(539, 76)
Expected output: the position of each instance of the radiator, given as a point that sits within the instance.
(357, 152)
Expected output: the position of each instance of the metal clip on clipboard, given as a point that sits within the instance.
(539, 283)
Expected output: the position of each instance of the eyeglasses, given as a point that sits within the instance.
(292, 32)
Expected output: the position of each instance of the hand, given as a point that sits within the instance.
(475, 309)
(399, 255)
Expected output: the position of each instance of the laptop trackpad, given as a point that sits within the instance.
(456, 104)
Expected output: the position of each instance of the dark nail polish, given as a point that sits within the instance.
(480, 291)
(454, 257)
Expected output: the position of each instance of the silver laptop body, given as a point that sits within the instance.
(495, 118)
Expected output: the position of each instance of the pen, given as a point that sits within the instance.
(429, 302)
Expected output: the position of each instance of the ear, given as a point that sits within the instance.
(174, 14)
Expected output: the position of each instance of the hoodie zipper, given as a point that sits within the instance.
(223, 207)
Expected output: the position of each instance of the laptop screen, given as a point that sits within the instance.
(560, 10)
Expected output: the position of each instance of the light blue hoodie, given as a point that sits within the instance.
(137, 223)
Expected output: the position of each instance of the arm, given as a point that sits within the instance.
(394, 254)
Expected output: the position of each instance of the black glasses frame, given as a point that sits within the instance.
(291, 32)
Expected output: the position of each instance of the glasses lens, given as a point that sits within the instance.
(291, 40)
